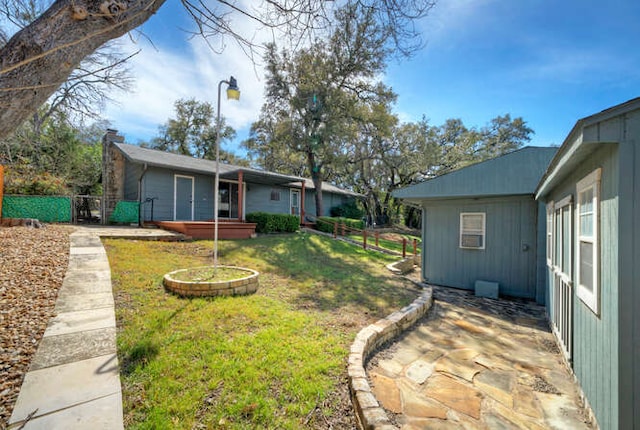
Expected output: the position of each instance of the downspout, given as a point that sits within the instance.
(144, 171)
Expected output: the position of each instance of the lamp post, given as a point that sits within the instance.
(233, 93)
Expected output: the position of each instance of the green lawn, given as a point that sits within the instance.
(276, 359)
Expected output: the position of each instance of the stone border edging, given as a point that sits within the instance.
(236, 287)
(369, 413)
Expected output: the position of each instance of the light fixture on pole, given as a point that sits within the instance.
(233, 93)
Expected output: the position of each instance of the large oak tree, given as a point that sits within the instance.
(40, 57)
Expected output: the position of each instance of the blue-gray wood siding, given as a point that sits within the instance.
(628, 222)
(259, 199)
(509, 257)
(131, 177)
(159, 184)
(329, 200)
(595, 338)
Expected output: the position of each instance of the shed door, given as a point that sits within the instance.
(183, 198)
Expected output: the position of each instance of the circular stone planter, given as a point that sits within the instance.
(235, 287)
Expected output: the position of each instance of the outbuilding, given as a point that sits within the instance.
(480, 223)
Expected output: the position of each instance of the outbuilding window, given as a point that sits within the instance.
(587, 274)
(472, 230)
(275, 195)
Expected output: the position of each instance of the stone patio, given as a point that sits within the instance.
(477, 363)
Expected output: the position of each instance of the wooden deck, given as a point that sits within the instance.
(204, 229)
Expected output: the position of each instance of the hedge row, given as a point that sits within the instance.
(326, 223)
(274, 223)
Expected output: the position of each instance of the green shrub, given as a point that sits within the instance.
(274, 223)
(326, 223)
(347, 210)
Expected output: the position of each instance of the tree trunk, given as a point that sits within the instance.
(317, 182)
(41, 56)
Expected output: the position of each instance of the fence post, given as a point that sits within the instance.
(342, 227)
(335, 230)
(364, 239)
(415, 247)
(404, 247)
(377, 234)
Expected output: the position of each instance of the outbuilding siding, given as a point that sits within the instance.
(511, 245)
(595, 340)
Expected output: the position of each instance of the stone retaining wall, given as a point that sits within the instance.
(236, 287)
(369, 413)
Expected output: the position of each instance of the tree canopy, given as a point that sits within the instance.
(40, 57)
(193, 132)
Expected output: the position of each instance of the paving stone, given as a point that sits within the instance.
(432, 355)
(93, 250)
(71, 322)
(431, 424)
(560, 412)
(391, 367)
(470, 327)
(525, 402)
(416, 405)
(67, 348)
(462, 369)
(419, 371)
(60, 387)
(463, 354)
(457, 396)
(387, 393)
(521, 422)
(102, 413)
(497, 384)
(78, 302)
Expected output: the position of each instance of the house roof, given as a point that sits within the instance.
(308, 184)
(515, 173)
(153, 157)
(575, 148)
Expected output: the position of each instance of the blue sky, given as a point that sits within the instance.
(550, 62)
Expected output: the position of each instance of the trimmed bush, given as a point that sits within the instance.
(274, 223)
(347, 210)
(326, 223)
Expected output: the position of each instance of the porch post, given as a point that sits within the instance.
(240, 208)
(302, 204)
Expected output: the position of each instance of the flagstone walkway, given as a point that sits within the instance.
(476, 363)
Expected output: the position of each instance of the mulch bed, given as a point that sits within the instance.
(33, 262)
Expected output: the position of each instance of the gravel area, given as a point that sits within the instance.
(33, 263)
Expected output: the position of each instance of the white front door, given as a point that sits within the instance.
(295, 202)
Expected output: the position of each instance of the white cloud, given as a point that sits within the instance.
(164, 76)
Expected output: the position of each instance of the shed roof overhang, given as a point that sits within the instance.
(575, 149)
(421, 201)
(567, 160)
(261, 177)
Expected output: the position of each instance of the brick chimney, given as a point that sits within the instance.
(112, 173)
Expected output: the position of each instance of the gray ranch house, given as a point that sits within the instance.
(172, 187)
(586, 235)
(480, 223)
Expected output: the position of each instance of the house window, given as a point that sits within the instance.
(588, 191)
(472, 230)
(275, 195)
(561, 254)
